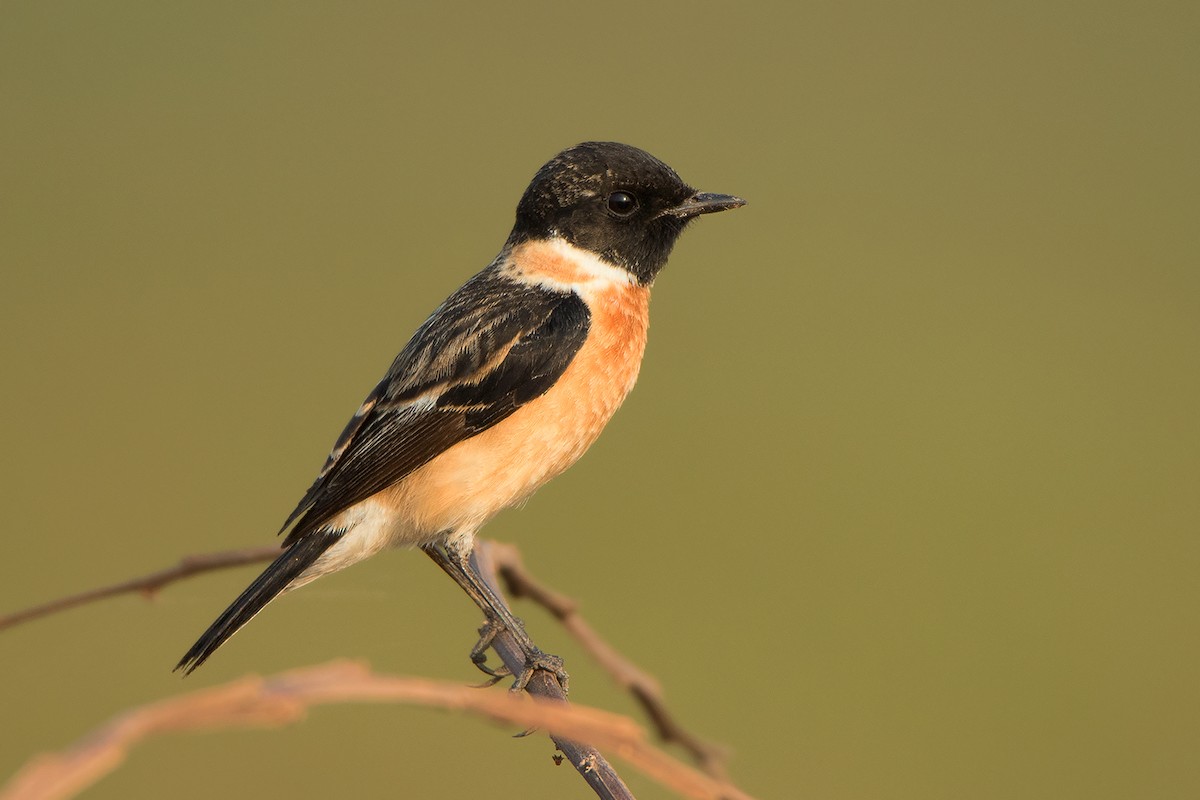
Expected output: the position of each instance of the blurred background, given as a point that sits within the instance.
(905, 503)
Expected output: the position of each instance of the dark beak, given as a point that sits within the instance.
(705, 203)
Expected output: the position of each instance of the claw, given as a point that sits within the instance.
(480, 662)
(489, 683)
(537, 660)
(493, 674)
(487, 633)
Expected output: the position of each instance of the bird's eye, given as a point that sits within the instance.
(622, 203)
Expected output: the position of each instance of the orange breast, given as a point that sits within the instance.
(473, 480)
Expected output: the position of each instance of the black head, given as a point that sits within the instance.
(615, 200)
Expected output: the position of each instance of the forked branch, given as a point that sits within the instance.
(497, 562)
(643, 686)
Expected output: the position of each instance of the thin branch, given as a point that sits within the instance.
(589, 762)
(284, 699)
(147, 584)
(644, 687)
(499, 559)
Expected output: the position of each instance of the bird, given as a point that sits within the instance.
(502, 388)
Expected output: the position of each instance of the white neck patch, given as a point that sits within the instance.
(559, 265)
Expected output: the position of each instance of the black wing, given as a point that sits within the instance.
(493, 346)
(490, 348)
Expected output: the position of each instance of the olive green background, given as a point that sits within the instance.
(905, 504)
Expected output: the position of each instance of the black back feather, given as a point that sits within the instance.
(492, 347)
(452, 359)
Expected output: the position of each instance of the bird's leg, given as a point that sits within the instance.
(456, 563)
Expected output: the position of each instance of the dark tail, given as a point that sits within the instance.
(273, 580)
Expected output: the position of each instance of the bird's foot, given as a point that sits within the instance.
(487, 634)
(535, 659)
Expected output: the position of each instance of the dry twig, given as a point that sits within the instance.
(495, 560)
(147, 584)
(284, 699)
(644, 687)
(589, 762)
